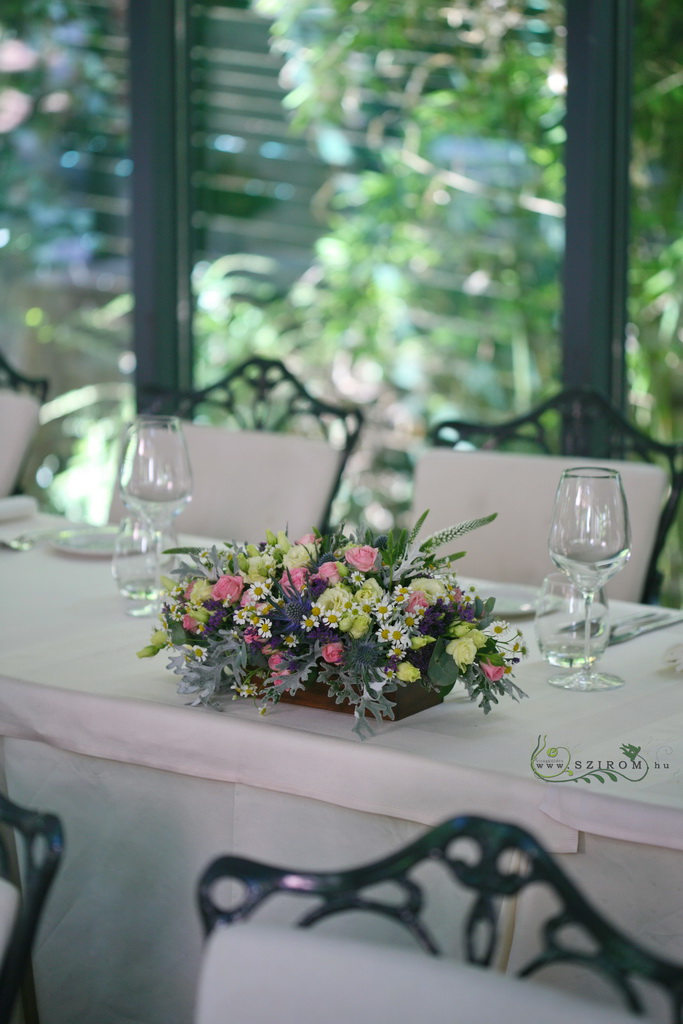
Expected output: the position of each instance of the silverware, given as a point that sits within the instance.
(25, 541)
(662, 621)
(628, 623)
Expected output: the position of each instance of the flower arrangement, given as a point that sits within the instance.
(362, 614)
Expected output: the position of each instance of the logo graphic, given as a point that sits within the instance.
(555, 764)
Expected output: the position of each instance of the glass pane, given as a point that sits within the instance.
(64, 251)
(655, 338)
(379, 202)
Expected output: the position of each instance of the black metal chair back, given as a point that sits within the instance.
(262, 394)
(15, 381)
(613, 955)
(39, 842)
(585, 423)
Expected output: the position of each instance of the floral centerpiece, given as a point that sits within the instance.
(362, 614)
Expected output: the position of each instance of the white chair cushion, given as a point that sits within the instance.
(19, 414)
(460, 485)
(257, 974)
(248, 481)
(9, 905)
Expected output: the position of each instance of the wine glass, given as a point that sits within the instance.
(590, 541)
(155, 480)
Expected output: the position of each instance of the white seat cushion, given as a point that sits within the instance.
(460, 485)
(257, 974)
(9, 905)
(248, 481)
(19, 414)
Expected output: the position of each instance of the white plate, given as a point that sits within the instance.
(96, 541)
(513, 600)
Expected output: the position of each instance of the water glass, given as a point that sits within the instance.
(560, 623)
(134, 565)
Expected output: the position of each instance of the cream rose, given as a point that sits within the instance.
(299, 555)
(432, 589)
(463, 651)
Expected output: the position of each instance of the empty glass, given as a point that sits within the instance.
(590, 541)
(134, 565)
(560, 623)
(155, 478)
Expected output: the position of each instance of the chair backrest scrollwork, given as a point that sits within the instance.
(487, 874)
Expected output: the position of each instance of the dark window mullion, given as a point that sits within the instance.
(160, 237)
(597, 157)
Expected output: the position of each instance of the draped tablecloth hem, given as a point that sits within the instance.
(614, 818)
(375, 779)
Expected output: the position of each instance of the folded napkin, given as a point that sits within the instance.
(17, 506)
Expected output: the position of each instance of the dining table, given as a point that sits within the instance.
(151, 786)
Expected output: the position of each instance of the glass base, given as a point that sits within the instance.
(143, 610)
(587, 681)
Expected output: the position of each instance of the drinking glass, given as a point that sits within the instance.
(590, 541)
(559, 623)
(155, 480)
(133, 564)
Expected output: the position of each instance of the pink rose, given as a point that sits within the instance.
(274, 660)
(251, 636)
(492, 672)
(361, 558)
(329, 572)
(228, 589)
(190, 624)
(418, 599)
(295, 578)
(333, 653)
(308, 538)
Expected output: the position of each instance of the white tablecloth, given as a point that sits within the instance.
(150, 789)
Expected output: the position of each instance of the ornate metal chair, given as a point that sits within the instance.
(12, 380)
(582, 424)
(37, 840)
(611, 954)
(265, 452)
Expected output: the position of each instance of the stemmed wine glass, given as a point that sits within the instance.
(590, 541)
(155, 480)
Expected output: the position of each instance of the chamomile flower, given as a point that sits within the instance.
(500, 629)
(383, 608)
(259, 591)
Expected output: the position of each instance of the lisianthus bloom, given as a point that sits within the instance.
(362, 558)
(199, 591)
(330, 571)
(433, 589)
(463, 650)
(333, 653)
(492, 672)
(294, 579)
(228, 589)
(297, 555)
(408, 673)
(334, 599)
(418, 599)
(355, 625)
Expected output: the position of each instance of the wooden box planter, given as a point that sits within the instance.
(407, 700)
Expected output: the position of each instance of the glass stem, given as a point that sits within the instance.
(588, 604)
